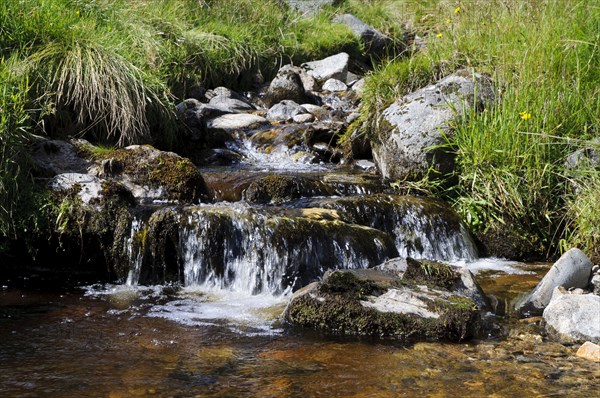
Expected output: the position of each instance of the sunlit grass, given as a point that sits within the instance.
(544, 58)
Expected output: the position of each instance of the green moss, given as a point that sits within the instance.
(147, 166)
(348, 284)
(338, 310)
(430, 273)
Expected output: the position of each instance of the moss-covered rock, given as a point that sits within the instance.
(379, 303)
(280, 188)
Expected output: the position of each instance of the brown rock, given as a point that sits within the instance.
(590, 351)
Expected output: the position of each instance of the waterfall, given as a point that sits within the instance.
(238, 248)
(270, 249)
(134, 252)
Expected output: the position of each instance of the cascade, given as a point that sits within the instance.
(256, 249)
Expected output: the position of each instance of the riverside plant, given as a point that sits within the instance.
(545, 61)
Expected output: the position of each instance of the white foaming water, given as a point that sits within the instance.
(192, 306)
(494, 264)
(281, 158)
(242, 313)
(237, 249)
(134, 253)
(437, 241)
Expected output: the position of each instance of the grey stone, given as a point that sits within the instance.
(359, 87)
(239, 121)
(334, 67)
(287, 85)
(303, 118)
(573, 269)
(90, 187)
(375, 42)
(52, 157)
(573, 317)
(365, 165)
(309, 7)
(232, 104)
(308, 82)
(194, 115)
(334, 85)
(407, 145)
(352, 117)
(584, 158)
(285, 110)
(595, 284)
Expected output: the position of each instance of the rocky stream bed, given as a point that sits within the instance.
(271, 257)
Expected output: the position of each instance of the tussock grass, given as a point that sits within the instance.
(101, 91)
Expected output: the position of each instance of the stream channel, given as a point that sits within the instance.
(215, 331)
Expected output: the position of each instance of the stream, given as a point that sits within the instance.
(121, 341)
(199, 312)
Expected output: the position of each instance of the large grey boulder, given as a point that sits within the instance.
(573, 269)
(287, 85)
(334, 67)
(375, 42)
(285, 110)
(573, 317)
(406, 145)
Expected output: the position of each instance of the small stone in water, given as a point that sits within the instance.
(589, 351)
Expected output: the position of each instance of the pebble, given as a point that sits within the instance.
(589, 351)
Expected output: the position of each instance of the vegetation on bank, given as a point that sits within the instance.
(111, 71)
(544, 57)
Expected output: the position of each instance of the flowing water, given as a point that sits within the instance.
(198, 314)
(120, 341)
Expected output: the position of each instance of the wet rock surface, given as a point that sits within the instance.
(572, 270)
(415, 304)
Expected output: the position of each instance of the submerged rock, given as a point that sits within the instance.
(422, 228)
(407, 143)
(280, 188)
(250, 250)
(417, 304)
(573, 269)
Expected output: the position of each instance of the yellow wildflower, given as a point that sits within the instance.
(448, 20)
(525, 115)
(439, 35)
(457, 10)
